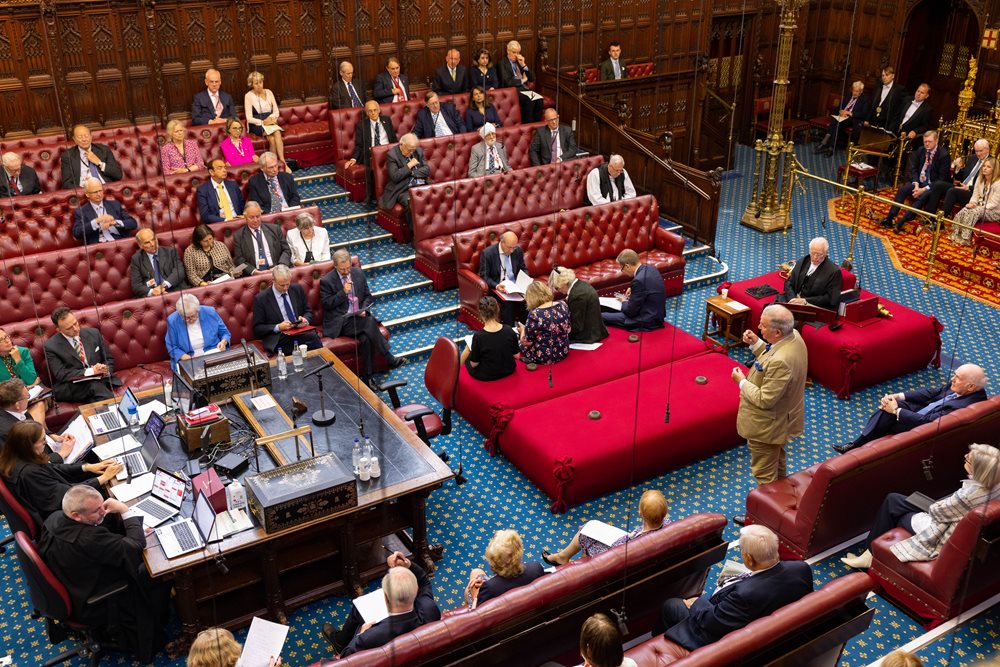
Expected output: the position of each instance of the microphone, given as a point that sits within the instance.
(550, 376)
(666, 416)
(220, 562)
(927, 465)
(620, 619)
(322, 367)
(163, 382)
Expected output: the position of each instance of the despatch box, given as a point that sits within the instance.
(299, 492)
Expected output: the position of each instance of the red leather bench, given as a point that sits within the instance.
(442, 209)
(935, 591)
(404, 117)
(810, 632)
(586, 240)
(542, 619)
(855, 357)
(593, 74)
(834, 501)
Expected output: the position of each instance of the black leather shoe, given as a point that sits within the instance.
(885, 222)
(740, 519)
(330, 633)
(396, 362)
(545, 557)
(844, 448)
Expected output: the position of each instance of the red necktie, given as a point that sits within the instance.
(14, 190)
(402, 91)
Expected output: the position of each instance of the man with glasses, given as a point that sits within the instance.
(258, 244)
(14, 409)
(437, 119)
(274, 190)
(281, 312)
(499, 262)
(79, 362)
(552, 142)
(18, 178)
(350, 92)
(100, 220)
(898, 413)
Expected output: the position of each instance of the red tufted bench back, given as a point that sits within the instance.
(593, 74)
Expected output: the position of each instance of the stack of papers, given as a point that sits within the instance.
(610, 302)
(515, 289)
(264, 641)
(84, 438)
(140, 486)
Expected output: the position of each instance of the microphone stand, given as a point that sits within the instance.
(163, 386)
(248, 356)
(321, 417)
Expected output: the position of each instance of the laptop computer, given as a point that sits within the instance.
(113, 419)
(189, 535)
(164, 500)
(140, 461)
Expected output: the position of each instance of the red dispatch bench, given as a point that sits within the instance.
(442, 209)
(81, 277)
(135, 329)
(586, 240)
(829, 503)
(542, 619)
(855, 357)
(935, 591)
(810, 632)
(403, 116)
(448, 158)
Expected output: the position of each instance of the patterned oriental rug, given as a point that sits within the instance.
(955, 268)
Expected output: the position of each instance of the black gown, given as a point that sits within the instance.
(41, 486)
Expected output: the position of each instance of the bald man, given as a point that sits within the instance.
(449, 79)
(500, 262)
(154, 269)
(212, 106)
(350, 91)
(101, 220)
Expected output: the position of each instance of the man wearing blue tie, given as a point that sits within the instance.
(281, 312)
(901, 412)
(350, 92)
(99, 219)
(613, 68)
(260, 244)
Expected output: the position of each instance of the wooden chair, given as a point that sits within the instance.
(789, 125)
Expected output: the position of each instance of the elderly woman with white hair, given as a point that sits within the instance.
(308, 242)
(263, 114)
(194, 330)
(488, 156)
(585, 322)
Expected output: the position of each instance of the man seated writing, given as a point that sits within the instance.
(644, 301)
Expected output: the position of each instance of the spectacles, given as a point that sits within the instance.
(4, 336)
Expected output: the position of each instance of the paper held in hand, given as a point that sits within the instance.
(372, 607)
(602, 532)
(264, 641)
(518, 286)
(610, 302)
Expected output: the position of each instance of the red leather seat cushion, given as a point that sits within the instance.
(432, 423)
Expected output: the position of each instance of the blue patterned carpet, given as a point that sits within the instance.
(498, 496)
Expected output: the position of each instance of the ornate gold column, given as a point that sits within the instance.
(767, 211)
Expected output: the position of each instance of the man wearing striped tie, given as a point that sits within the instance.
(853, 110)
(79, 362)
(212, 105)
(958, 189)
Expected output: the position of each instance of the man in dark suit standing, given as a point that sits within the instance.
(372, 130)
(212, 106)
(553, 142)
(18, 178)
(927, 164)
(887, 102)
(155, 269)
(917, 115)
(768, 585)
(613, 68)
(958, 189)
(898, 413)
(219, 198)
(258, 244)
(644, 302)
(274, 190)
(449, 79)
(815, 280)
(348, 92)
(513, 72)
(500, 262)
(390, 85)
(346, 302)
(87, 160)
(409, 599)
(283, 308)
(76, 352)
(853, 110)
(407, 168)
(436, 119)
(100, 220)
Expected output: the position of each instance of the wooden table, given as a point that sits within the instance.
(732, 318)
(257, 574)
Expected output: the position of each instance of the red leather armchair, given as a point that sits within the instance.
(586, 240)
(831, 502)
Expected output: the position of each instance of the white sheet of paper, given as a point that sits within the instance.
(262, 402)
(584, 346)
(221, 279)
(838, 118)
(264, 641)
(610, 302)
(84, 438)
(372, 607)
(602, 532)
(140, 486)
(468, 341)
(737, 306)
(116, 447)
(860, 165)
(147, 409)
(35, 391)
(205, 353)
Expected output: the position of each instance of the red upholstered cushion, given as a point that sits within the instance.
(432, 423)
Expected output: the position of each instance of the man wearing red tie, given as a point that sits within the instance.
(79, 362)
(928, 164)
(18, 178)
(390, 85)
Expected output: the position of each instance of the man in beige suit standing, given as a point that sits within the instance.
(772, 399)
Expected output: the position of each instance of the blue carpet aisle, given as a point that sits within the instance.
(496, 496)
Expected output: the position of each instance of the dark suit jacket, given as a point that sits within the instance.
(939, 169)
(383, 87)
(65, 365)
(69, 165)
(541, 145)
(586, 325)
(425, 610)
(341, 96)
(888, 114)
(202, 109)
(645, 308)
(243, 252)
(442, 83)
(496, 586)
(506, 76)
(209, 208)
(171, 270)
(489, 265)
(742, 602)
(970, 163)
(363, 137)
(424, 127)
(267, 313)
(334, 299)
(258, 191)
(821, 289)
(917, 399)
(860, 112)
(608, 70)
(85, 214)
(921, 120)
(400, 175)
(27, 178)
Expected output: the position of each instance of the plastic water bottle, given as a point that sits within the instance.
(297, 360)
(356, 457)
(364, 467)
(133, 420)
(282, 367)
(374, 467)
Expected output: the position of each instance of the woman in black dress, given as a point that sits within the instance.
(491, 355)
